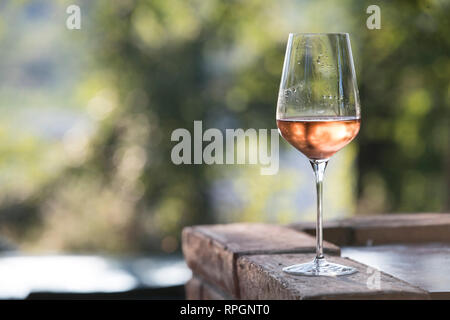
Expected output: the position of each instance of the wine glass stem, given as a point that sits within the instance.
(319, 170)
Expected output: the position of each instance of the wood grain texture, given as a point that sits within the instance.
(261, 277)
(211, 251)
(384, 229)
(210, 292)
(193, 289)
(198, 289)
(426, 265)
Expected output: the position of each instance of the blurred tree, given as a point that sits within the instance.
(160, 65)
(404, 83)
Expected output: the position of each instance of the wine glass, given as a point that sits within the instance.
(318, 113)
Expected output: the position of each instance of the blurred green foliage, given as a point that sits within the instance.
(159, 65)
(404, 83)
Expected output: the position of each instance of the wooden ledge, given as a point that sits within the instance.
(245, 261)
(384, 229)
(211, 250)
(261, 277)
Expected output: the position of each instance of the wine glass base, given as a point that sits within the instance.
(319, 267)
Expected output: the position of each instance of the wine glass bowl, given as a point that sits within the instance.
(319, 138)
(318, 77)
(318, 113)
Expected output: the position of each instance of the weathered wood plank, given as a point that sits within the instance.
(211, 251)
(421, 264)
(261, 277)
(193, 289)
(210, 292)
(198, 289)
(384, 229)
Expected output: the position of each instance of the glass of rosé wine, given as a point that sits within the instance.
(318, 113)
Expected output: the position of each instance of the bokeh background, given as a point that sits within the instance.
(86, 118)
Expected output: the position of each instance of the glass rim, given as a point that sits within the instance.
(318, 34)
